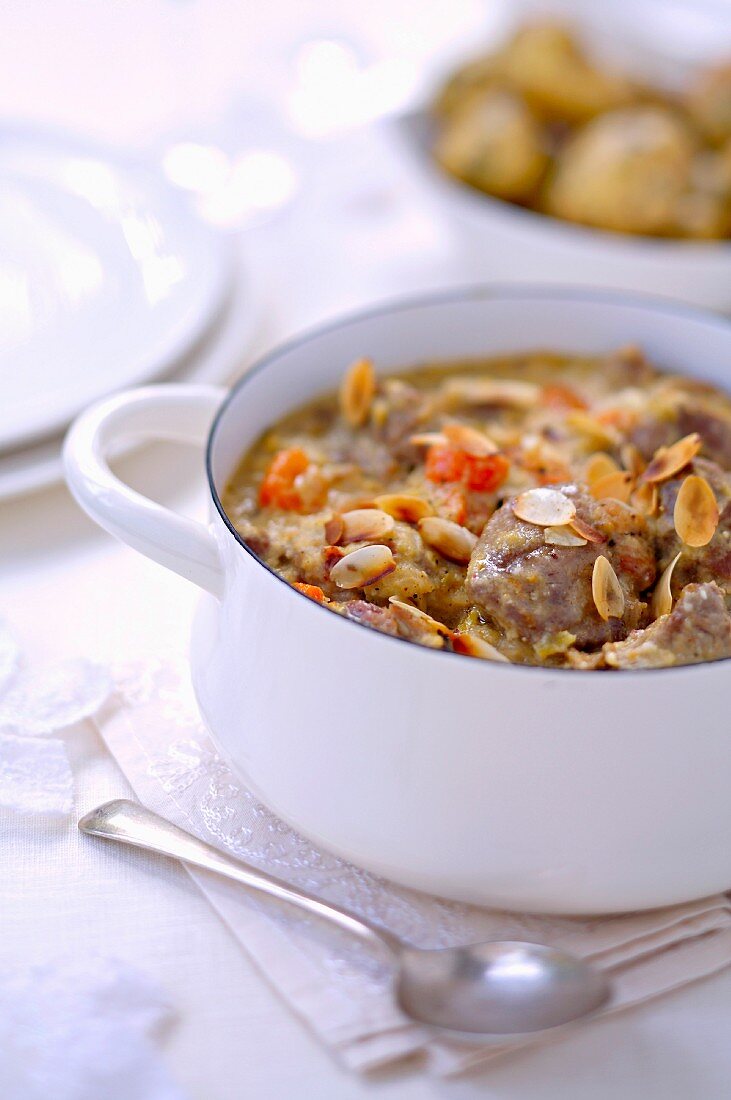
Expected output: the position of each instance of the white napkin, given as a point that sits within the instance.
(35, 775)
(153, 729)
(81, 1032)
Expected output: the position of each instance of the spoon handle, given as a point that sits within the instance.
(130, 823)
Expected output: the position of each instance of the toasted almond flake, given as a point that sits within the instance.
(662, 597)
(544, 507)
(645, 498)
(669, 460)
(356, 392)
(604, 435)
(586, 531)
(618, 486)
(492, 391)
(562, 536)
(470, 440)
(606, 590)
(449, 539)
(332, 554)
(418, 625)
(632, 459)
(365, 525)
(362, 567)
(472, 645)
(334, 529)
(427, 439)
(379, 412)
(696, 512)
(597, 466)
(407, 508)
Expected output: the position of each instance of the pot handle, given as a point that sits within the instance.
(177, 412)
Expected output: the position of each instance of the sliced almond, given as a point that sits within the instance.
(544, 507)
(667, 461)
(696, 512)
(618, 486)
(356, 392)
(427, 439)
(331, 555)
(603, 435)
(334, 529)
(598, 466)
(492, 391)
(470, 440)
(472, 645)
(586, 531)
(645, 498)
(365, 525)
(662, 597)
(417, 625)
(562, 536)
(407, 508)
(449, 539)
(362, 567)
(632, 459)
(606, 590)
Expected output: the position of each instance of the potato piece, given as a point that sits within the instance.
(546, 64)
(626, 171)
(709, 103)
(494, 143)
(470, 80)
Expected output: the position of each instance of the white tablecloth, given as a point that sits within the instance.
(69, 589)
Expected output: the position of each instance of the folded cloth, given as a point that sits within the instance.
(153, 729)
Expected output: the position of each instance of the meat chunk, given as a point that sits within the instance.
(697, 629)
(534, 591)
(369, 614)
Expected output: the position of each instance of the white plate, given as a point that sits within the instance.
(219, 359)
(106, 278)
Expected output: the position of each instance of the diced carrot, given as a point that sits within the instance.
(313, 591)
(486, 473)
(277, 489)
(445, 463)
(481, 473)
(557, 396)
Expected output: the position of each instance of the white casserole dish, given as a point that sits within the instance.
(663, 42)
(508, 242)
(548, 790)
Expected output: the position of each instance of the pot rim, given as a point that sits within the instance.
(469, 292)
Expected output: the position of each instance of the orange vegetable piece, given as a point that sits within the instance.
(486, 472)
(481, 473)
(313, 591)
(556, 396)
(445, 463)
(277, 489)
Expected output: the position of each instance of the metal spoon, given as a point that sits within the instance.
(501, 989)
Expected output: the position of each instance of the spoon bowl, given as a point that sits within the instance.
(502, 988)
(495, 990)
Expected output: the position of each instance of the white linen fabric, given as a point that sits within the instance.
(81, 1031)
(154, 731)
(35, 776)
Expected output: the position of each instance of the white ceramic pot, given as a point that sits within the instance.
(539, 789)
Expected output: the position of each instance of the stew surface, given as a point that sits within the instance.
(540, 509)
